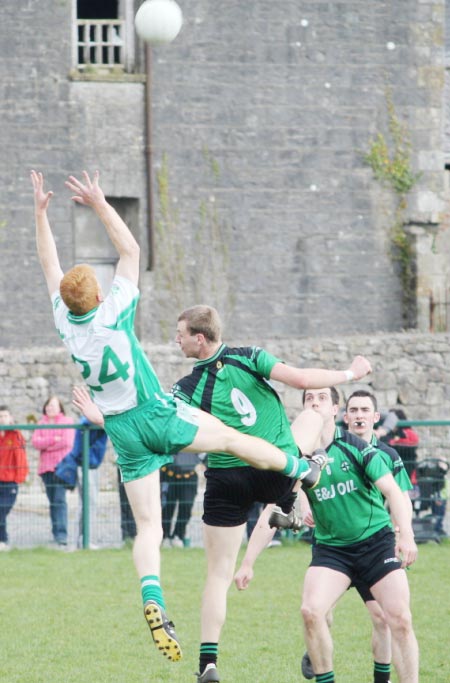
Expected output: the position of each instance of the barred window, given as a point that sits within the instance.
(103, 35)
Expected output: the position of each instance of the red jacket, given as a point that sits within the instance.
(13, 457)
(410, 438)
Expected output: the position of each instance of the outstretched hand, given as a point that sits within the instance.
(360, 367)
(89, 192)
(41, 198)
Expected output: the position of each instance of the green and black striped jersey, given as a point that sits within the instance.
(233, 386)
(346, 505)
(394, 462)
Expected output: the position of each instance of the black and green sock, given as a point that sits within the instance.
(208, 655)
(325, 678)
(381, 672)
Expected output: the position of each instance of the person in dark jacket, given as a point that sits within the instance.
(69, 471)
(180, 480)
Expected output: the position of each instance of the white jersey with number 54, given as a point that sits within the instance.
(105, 348)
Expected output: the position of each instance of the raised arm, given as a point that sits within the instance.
(45, 242)
(317, 378)
(90, 194)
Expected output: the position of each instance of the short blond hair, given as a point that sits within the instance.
(202, 320)
(79, 289)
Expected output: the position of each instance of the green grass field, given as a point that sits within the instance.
(77, 617)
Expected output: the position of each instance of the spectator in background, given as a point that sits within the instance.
(405, 441)
(439, 502)
(386, 424)
(53, 445)
(69, 471)
(182, 480)
(13, 470)
(430, 477)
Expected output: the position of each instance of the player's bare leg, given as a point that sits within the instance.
(214, 436)
(322, 587)
(145, 500)
(307, 428)
(222, 547)
(381, 634)
(392, 594)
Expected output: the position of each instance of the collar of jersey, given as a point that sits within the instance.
(211, 358)
(338, 432)
(81, 319)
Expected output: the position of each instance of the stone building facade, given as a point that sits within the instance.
(245, 137)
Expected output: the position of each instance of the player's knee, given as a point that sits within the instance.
(380, 624)
(311, 616)
(377, 615)
(399, 622)
(146, 525)
(381, 627)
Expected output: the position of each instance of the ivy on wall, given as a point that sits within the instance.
(389, 157)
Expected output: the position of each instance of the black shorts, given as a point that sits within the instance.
(365, 562)
(363, 589)
(231, 492)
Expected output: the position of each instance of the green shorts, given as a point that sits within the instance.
(146, 437)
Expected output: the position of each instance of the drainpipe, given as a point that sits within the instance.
(148, 157)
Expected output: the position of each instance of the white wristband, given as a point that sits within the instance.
(349, 375)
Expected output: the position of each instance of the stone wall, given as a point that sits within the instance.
(413, 369)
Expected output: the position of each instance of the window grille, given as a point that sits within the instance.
(101, 43)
